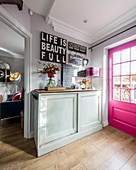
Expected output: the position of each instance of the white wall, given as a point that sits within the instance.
(97, 55)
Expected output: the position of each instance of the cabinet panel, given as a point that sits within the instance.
(58, 118)
(90, 110)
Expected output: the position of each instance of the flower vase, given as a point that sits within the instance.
(85, 86)
(50, 83)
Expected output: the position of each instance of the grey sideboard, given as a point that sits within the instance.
(63, 117)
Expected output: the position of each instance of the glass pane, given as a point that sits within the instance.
(133, 82)
(133, 67)
(125, 55)
(125, 95)
(125, 81)
(133, 96)
(116, 69)
(116, 94)
(116, 82)
(116, 57)
(133, 53)
(125, 68)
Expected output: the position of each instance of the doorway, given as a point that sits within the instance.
(6, 18)
(122, 88)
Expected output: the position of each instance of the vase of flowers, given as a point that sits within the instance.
(85, 83)
(49, 69)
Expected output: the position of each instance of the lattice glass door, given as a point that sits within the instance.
(122, 87)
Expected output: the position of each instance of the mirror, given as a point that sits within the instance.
(4, 71)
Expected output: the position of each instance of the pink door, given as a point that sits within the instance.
(122, 88)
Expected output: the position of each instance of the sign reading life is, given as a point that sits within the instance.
(53, 48)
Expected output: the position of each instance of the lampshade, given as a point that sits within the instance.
(92, 71)
(15, 77)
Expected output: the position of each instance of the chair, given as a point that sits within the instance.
(10, 109)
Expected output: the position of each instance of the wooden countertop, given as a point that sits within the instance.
(65, 91)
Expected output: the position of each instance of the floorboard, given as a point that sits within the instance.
(108, 149)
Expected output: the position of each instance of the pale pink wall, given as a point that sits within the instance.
(21, 16)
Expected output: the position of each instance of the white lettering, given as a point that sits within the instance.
(60, 49)
(47, 47)
(60, 41)
(57, 58)
(64, 51)
(64, 61)
(43, 46)
(56, 49)
(64, 43)
(52, 48)
(55, 40)
(50, 38)
(47, 37)
(43, 54)
(50, 56)
(43, 36)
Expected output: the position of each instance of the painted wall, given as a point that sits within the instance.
(35, 24)
(97, 59)
(16, 65)
(38, 24)
(21, 16)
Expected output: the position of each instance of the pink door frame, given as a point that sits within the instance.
(122, 115)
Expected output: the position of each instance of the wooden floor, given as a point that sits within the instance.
(106, 149)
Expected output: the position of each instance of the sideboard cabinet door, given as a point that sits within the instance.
(89, 105)
(57, 116)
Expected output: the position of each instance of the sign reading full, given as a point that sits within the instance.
(53, 48)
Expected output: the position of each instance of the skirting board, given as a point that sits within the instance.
(45, 148)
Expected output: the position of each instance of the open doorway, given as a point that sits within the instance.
(6, 18)
(12, 48)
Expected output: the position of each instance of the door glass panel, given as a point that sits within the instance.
(125, 93)
(125, 81)
(116, 57)
(116, 94)
(125, 68)
(133, 53)
(125, 55)
(133, 82)
(116, 82)
(133, 96)
(116, 69)
(133, 67)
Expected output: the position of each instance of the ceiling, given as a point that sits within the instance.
(11, 43)
(101, 15)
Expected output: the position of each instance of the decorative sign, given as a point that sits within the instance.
(77, 48)
(53, 48)
(75, 59)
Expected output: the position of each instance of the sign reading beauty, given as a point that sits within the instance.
(53, 48)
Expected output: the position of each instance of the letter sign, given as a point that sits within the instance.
(53, 48)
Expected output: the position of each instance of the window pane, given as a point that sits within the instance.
(125, 81)
(116, 69)
(133, 67)
(133, 96)
(125, 55)
(133, 53)
(133, 82)
(116, 82)
(125, 68)
(116, 94)
(125, 95)
(116, 57)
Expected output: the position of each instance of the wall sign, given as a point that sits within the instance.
(75, 59)
(77, 48)
(53, 48)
